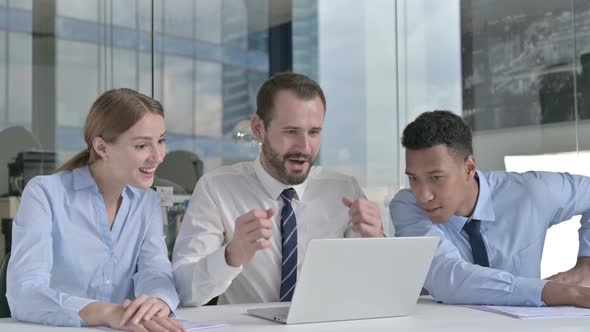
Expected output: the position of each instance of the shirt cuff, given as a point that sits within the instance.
(219, 269)
(171, 301)
(74, 305)
(527, 291)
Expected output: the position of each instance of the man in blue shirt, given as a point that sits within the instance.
(492, 225)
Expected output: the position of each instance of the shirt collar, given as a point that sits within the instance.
(274, 187)
(484, 207)
(83, 179)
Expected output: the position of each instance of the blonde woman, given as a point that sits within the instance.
(88, 246)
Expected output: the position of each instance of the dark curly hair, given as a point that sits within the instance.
(439, 127)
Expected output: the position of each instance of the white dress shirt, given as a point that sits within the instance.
(220, 197)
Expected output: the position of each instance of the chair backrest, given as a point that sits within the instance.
(4, 308)
(12, 141)
(184, 168)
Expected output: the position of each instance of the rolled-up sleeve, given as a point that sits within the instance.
(29, 270)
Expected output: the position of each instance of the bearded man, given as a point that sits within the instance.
(247, 226)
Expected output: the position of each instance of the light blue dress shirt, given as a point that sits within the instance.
(64, 256)
(515, 212)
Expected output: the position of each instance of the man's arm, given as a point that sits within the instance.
(204, 265)
(579, 275)
(200, 269)
(571, 195)
(453, 280)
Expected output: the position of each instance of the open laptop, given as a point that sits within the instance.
(343, 279)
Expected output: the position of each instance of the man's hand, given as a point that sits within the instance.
(365, 217)
(253, 232)
(579, 275)
(556, 294)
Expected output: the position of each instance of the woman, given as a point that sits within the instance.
(87, 241)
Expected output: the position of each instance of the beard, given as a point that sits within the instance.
(276, 163)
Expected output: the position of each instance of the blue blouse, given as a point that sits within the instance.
(65, 256)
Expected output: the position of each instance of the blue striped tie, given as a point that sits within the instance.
(289, 242)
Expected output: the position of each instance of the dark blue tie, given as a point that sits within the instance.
(478, 247)
(289, 242)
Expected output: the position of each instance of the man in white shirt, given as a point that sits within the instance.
(247, 226)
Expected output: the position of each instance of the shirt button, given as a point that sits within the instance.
(108, 282)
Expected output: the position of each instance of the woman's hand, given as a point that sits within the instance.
(144, 308)
(145, 314)
(153, 324)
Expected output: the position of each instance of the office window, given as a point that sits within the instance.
(207, 22)
(125, 68)
(78, 81)
(208, 119)
(87, 10)
(178, 18)
(129, 13)
(4, 64)
(525, 76)
(19, 84)
(20, 4)
(177, 98)
(521, 76)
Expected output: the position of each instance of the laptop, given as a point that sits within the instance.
(359, 278)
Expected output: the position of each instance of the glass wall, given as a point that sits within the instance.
(520, 77)
(358, 76)
(516, 70)
(429, 75)
(526, 94)
(205, 61)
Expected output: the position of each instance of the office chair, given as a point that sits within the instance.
(12, 141)
(4, 308)
(183, 168)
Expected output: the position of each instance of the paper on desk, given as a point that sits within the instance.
(535, 312)
(188, 325)
(195, 326)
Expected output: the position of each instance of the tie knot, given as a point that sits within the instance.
(472, 227)
(288, 194)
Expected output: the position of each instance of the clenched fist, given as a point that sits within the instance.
(253, 232)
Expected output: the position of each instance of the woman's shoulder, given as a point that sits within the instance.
(52, 181)
(51, 186)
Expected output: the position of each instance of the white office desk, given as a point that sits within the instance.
(429, 316)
